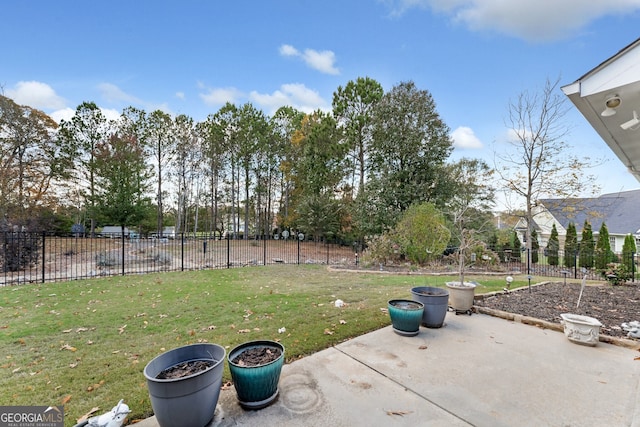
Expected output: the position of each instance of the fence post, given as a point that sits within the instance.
(264, 251)
(122, 250)
(327, 243)
(298, 240)
(228, 251)
(182, 251)
(43, 254)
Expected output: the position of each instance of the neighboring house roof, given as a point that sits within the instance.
(113, 229)
(617, 210)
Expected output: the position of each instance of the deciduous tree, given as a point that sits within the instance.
(537, 162)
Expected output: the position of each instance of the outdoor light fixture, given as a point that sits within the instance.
(612, 103)
(631, 124)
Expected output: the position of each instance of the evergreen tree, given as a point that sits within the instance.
(603, 248)
(628, 251)
(535, 246)
(516, 244)
(571, 246)
(586, 246)
(492, 242)
(552, 246)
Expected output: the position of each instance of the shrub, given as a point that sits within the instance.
(422, 233)
(381, 249)
(616, 274)
(107, 259)
(19, 250)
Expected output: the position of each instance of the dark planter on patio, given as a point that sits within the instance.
(406, 316)
(189, 401)
(256, 386)
(436, 303)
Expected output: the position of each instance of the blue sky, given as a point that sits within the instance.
(192, 56)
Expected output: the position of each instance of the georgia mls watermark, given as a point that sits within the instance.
(31, 416)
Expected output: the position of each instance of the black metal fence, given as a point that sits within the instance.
(41, 257)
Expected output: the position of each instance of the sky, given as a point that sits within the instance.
(192, 56)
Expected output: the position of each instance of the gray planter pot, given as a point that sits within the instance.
(189, 401)
(436, 303)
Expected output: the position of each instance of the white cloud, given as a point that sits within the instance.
(113, 93)
(68, 113)
(36, 95)
(534, 20)
(288, 50)
(464, 138)
(296, 95)
(110, 113)
(323, 61)
(180, 95)
(63, 114)
(220, 96)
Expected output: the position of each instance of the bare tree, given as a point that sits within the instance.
(538, 162)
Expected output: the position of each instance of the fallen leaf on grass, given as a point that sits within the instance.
(401, 413)
(68, 347)
(244, 331)
(343, 322)
(65, 399)
(121, 329)
(88, 414)
(384, 310)
(328, 332)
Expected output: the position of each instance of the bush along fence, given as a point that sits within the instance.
(41, 257)
(614, 268)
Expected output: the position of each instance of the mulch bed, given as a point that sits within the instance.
(611, 305)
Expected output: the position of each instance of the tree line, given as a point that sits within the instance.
(341, 174)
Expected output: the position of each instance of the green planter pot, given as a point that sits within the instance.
(256, 386)
(188, 401)
(436, 304)
(406, 316)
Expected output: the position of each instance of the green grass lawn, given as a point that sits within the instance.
(85, 343)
